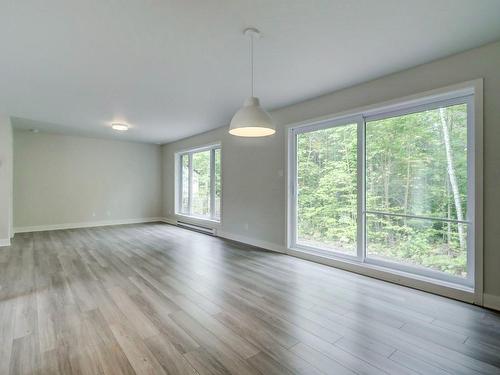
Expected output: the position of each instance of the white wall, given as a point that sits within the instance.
(253, 186)
(62, 180)
(254, 190)
(5, 180)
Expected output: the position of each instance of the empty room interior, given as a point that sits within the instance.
(250, 187)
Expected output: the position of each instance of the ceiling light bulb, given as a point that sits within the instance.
(119, 126)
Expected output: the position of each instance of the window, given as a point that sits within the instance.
(416, 189)
(199, 183)
(326, 188)
(390, 187)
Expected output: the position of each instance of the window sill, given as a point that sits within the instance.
(444, 288)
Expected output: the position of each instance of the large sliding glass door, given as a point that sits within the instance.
(327, 187)
(416, 189)
(393, 188)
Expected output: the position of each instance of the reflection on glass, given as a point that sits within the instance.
(185, 184)
(424, 243)
(327, 189)
(200, 204)
(416, 164)
(217, 183)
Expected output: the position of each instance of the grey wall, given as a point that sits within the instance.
(253, 185)
(5, 180)
(254, 190)
(62, 179)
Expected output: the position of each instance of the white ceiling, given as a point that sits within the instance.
(173, 68)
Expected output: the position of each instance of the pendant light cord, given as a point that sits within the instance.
(251, 62)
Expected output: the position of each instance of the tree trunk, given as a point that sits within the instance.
(453, 178)
(448, 224)
(346, 152)
(387, 176)
(407, 187)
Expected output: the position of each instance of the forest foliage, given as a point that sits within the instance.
(416, 164)
(200, 183)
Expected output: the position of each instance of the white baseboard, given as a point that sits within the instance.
(252, 242)
(4, 242)
(90, 224)
(491, 301)
(168, 220)
(239, 238)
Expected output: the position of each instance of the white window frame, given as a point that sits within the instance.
(435, 281)
(339, 122)
(179, 180)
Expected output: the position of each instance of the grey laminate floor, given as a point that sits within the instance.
(157, 299)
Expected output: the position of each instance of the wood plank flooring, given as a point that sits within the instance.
(157, 299)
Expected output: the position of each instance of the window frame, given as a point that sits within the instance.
(351, 120)
(469, 93)
(179, 182)
(468, 281)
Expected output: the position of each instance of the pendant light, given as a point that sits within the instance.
(252, 120)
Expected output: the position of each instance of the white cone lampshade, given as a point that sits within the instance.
(252, 120)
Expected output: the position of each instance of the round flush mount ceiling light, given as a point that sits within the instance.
(252, 120)
(119, 126)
